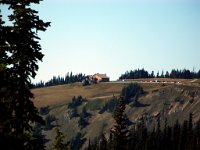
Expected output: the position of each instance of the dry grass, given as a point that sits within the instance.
(58, 95)
(61, 94)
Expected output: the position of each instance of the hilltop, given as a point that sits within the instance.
(60, 94)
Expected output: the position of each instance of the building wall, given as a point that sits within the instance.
(104, 80)
(100, 79)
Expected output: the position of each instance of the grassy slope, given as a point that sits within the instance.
(57, 95)
(61, 94)
(57, 98)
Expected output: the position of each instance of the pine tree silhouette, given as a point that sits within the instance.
(120, 133)
(19, 65)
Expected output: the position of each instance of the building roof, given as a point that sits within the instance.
(101, 75)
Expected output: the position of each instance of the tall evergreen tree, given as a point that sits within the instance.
(176, 135)
(167, 74)
(158, 75)
(58, 141)
(162, 74)
(5, 95)
(152, 74)
(21, 50)
(120, 133)
(184, 135)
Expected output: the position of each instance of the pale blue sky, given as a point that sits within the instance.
(113, 36)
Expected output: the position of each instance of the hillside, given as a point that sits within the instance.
(172, 101)
(56, 95)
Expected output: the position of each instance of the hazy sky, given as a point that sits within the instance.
(113, 36)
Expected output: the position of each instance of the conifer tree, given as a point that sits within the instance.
(58, 141)
(176, 135)
(5, 97)
(21, 50)
(191, 137)
(120, 133)
(197, 134)
(184, 135)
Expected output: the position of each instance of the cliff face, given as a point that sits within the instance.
(171, 102)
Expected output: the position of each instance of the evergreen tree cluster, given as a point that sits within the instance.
(135, 74)
(110, 105)
(69, 78)
(72, 111)
(178, 137)
(185, 136)
(76, 101)
(72, 106)
(175, 73)
(131, 92)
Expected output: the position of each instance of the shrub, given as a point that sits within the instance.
(48, 122)
(76, 101)
(44, 110)
(133, 90)
(72, 113)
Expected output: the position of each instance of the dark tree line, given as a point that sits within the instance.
(175, 73)
(185, 136)
(69, 78)
(135, 74)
